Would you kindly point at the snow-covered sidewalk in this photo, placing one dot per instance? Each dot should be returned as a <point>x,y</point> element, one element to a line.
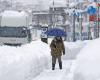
<point>56,74</point>
<point>72,50</point>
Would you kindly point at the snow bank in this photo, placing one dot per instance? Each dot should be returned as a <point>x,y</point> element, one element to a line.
<point>23,63</point>
<point>88,62</point>
<point>73,48</point>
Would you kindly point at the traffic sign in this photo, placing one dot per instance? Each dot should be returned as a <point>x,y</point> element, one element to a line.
<point>91,10</point>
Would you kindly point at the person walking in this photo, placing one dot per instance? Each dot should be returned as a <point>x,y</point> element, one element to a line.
<point>57,48</point>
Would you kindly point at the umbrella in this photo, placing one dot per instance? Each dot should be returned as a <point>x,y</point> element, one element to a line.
<point>55,32</point>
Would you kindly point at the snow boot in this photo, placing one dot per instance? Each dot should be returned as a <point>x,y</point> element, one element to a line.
<point>53,66</point>
<point>60,65</point>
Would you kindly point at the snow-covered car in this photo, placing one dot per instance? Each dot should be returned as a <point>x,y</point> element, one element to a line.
<point>87,65</point>
<point>15,27</point>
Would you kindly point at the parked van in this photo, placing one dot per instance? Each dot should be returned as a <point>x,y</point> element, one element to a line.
<point>15,28</point>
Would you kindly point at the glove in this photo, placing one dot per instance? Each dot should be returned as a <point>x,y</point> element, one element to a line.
<point>63,52</point>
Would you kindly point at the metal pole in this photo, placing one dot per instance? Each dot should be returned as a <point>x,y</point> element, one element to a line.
<point>98,21</point>
<point>74,18</point>
<point>81,25</point>
<point>89,33</point>
<point>95,26</point>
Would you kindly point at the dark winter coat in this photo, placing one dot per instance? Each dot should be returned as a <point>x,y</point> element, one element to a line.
<point>57,48</point>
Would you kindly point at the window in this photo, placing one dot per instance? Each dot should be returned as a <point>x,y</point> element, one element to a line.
<point>13,32</point>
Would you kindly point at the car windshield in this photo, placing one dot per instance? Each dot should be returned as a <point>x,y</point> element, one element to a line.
<point>13,32</point>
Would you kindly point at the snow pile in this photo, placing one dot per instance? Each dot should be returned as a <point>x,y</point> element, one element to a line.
<point>23,63</point>
<point>88,62</point>
<point>73,48</point>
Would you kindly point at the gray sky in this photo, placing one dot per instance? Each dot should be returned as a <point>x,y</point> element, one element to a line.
<point>43,1</point>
